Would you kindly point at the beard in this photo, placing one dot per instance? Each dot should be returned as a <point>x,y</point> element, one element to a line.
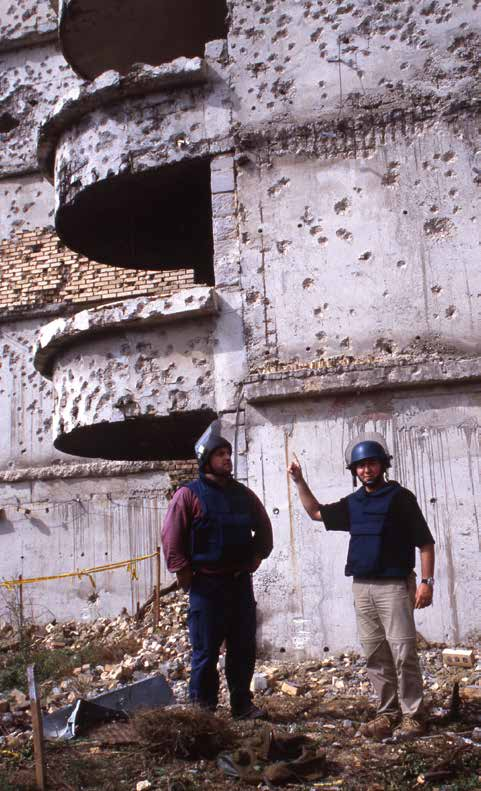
<point>373,480</point>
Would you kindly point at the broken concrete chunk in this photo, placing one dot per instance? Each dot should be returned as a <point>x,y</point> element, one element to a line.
<point>458,657</point>
<point>290,688</point>
<point>259,682</point>
<point>471,693</point>
<point>19,699</point>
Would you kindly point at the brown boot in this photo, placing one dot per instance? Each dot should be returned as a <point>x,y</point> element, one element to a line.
<point>410,727</point>
<point>379,728</point>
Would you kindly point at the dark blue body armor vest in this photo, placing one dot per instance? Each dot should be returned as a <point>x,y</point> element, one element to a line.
<point>368,514</point>
<point>223,535</point>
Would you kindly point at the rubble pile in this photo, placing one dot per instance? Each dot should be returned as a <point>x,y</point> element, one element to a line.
<point>324,699</point>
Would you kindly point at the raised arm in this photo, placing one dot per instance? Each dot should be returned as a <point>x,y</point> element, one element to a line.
<point>311,505</point>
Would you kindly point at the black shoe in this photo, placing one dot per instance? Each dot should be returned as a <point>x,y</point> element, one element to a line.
<point>250,712</point>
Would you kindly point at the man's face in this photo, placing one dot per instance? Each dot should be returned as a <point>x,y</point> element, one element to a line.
<point>369,471</point>
<point>220,462</point>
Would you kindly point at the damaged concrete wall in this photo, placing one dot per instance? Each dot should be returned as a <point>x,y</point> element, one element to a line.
<point>76,523</point>
<point>42,520</point>
<point>378,248</point>
<point>357,183</point>
<point>319,169</point>
<point>434,434</point>
<point>25,22</point>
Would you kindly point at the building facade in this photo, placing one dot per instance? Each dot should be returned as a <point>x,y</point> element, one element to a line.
<point>265,212</point>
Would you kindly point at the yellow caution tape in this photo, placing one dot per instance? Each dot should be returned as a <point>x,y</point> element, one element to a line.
<point>129,565</point>
<point>10,753</point>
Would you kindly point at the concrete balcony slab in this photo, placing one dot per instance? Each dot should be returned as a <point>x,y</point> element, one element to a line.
<point>131,161</point>
<point>133,380</point>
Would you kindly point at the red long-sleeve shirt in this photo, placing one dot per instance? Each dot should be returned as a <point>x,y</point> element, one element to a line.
<point>184,508</point>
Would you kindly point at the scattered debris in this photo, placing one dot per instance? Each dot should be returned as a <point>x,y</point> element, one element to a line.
<point>290,688</point>
<point>328,699</point>
<point>470,693</point>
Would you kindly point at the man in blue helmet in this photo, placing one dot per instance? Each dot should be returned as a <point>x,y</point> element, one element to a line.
<point>215,535</point>
<point>385,525</point>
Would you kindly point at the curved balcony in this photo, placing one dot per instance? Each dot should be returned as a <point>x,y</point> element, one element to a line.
<point>98,35</point>
<point>132,380</point>
<point>131,163</point>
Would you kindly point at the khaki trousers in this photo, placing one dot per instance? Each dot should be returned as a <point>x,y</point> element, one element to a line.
<point>385,621</point>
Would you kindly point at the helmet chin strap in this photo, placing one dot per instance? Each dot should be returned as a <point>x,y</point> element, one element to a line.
<point>383,476</point>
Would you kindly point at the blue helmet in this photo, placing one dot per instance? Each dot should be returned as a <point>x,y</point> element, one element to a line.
<point>368,449</point>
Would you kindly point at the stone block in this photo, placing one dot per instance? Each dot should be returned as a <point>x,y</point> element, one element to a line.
<point>458,657</point>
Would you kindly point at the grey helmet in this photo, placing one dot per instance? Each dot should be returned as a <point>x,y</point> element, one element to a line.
<point>210,440</point>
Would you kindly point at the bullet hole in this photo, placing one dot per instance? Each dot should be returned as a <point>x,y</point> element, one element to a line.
<point>283,245</point>
<point>326,649</point>
<point>322,240</point>
<point>343,233</point>
<point>307,282</point>
<point>259,230</point>
<point>391,176</point>
<point>282,650</point>
<point>277,187</point>
<point>436,289</point>
<point>7,123</point>
<point>401,264</point>
<point>433,500</point>
<point>384,345</point>
<point>299,225</point>
<point>439,227</point>
<point>275,511</point>
<point>345,343</point>
<point>342,206</point>
<point>308,348</point>
<point>365,256</point>
<point>405,211</point>
<point>450,312</point>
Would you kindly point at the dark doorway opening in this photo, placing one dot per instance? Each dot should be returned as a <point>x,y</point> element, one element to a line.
<point>160,220</point>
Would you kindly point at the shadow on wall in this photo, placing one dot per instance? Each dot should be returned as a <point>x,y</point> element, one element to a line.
<point>160,220</point>
<point>139,438</point>
<point>147,31</point>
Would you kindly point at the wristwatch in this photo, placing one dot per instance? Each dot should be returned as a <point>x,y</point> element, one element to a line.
<point>428,581</point>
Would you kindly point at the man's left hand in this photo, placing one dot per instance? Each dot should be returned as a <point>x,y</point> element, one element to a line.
<point>424,596</point>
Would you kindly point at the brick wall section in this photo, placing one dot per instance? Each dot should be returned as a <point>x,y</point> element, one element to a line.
<point>37,270</point>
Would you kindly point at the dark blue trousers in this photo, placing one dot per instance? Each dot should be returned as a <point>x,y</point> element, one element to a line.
<point>222,607</point>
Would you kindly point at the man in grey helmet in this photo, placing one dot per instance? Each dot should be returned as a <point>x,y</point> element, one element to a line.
<point>215,535</point>
<point>385,525</point>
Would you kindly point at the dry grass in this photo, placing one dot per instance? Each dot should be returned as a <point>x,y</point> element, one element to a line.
<point>183,732</point>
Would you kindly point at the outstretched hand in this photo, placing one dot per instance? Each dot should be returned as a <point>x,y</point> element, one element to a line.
<point>295,471</point>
